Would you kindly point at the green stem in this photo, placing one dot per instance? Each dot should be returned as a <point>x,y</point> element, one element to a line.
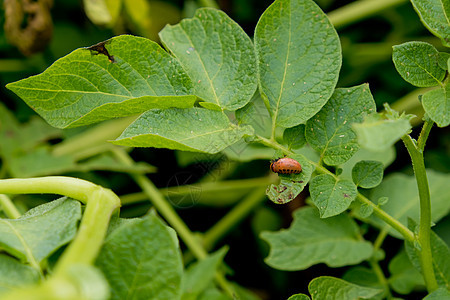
<point>92,137</point>
<point>424,135</point>
<point>403,230</point>
<point>8,207</point>
<point>242,185</point>
<point>380,239</point>
<point>100,203</point>
<point>394,223</point>
<point>425,207</point>
<point>85,247</point>
<point>381,278</point>
<point>360,10</point>
<point>234,217</point>
<point>169,213</point>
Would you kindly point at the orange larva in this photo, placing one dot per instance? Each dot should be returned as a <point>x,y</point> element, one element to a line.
<point>286,165</point>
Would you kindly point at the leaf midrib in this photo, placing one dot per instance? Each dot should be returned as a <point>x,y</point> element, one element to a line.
<point>275,115</point>
<point>28,252</point>
<point>202,64</point>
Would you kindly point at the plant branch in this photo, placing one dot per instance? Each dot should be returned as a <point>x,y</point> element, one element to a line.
<point>381,277</point>
<point>100,204</point>
<point>424,135</point>
<point>8,207</point>
<point>425,206</point>
<point>241,186</point>
<point>394,223</point>
<point>233,217</point>
<point>360,10</point>
<point>403,230</point>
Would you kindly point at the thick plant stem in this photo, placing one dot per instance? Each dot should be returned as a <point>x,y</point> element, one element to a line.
<point>360,10</point>
<point>169,213</point>
<point>89,239</point>
<point>100,203</point>
<point>425,210</point>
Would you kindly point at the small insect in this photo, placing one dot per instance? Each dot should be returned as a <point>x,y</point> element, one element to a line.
<point>101,49</point>
<point>285,165</point>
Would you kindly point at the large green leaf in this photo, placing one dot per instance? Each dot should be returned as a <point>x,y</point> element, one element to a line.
<point>330,131</point>
<point>134,75</point>
<point>299,58</point>
<point>330,195</point>
<point>331,288</point>
<point>435,14</point>
<point>150,269</point>
<point>311,240</point>
<point>436,104</point>
<point>417,63</point>
<point>404,198</point>
<point>194,129</point>
<point>13,274</point>
<point>40,231</point>
<point>217,54</point>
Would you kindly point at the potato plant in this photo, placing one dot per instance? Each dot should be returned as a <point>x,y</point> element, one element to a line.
<point>213,90</point>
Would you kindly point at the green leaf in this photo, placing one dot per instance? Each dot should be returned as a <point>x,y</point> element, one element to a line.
<point>443,60</point>
<point>363,276</point>
<point>435,15</point>
<point>367,173</point>
<point>330,133</point>
<point>331,196</point>
<point>386,157</point>
<point>14,275</point>
<point>439,294</point>
<point>404,277</point>
<point>256,115</point>
<point>295,137</point>
<point>201,274</point>
<point>291,184</point>
<point>194,129</point>
<point>299,57</point>
<point>83,88</point>
<point>330,288</point>
<point>39,162</point>
<point>18,138</point>
<point>365,210</point>
<point>436,104</point>
<point>417,63</point>
<point>404,198</point>
<point>310,240</point>
<point>299,297</point>
<point>217,54</point>
<point>377,133</point>
<point>41,230</point>
<point>151,269</point>
<point>245,152</point>
<point>440,253</point>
